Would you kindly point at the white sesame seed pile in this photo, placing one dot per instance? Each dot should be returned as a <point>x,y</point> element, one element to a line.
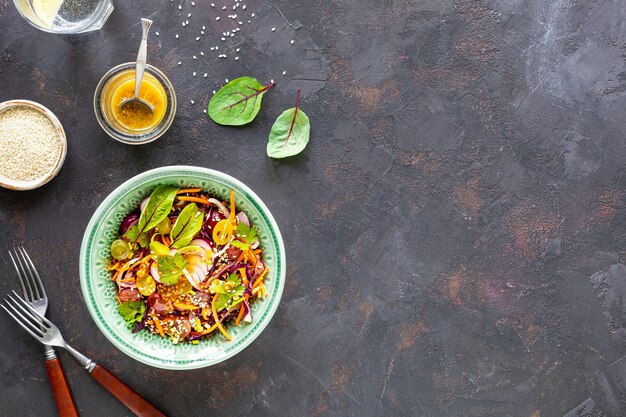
<point>30,145</point>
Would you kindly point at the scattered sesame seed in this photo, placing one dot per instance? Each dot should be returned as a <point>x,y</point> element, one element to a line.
<point>217,47</point>
<point>179,62</point>
<point>273,29</point>
<point>212,4</point>
<point>192,102</point>
<point>272,81</point>
<point>244,7</point>
<point>187,22</point>
<point>203,110</point>
<point>177,36</point>
<point>157,33</point>
<point>232,34</point>
<point>238,49</point>
<point>223,39</point>
<point>206,74</point>
<point>234,7</point>
<point>217,18</point>
<point>241,23</point>
<point>194,57</point>
<point>203,27</point>
<point>284,72</point>
<point>180,7</point>
<point>226,80</point>
<point>202,53</point>
<point>236,58</point>
<point>183,24</point>
<point>193,3</point>
<point>213,92</point>
<point>248,22</point>
<point>224,8</point>
<point>212,48</point>
<point>189,15</point>
<point>292,41</point>
<point>194,73</point>
<point>252,15</point>
<point>198,38</point>
<point>202,32</point>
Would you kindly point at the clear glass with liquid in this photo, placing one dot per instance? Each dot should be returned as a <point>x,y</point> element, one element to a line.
<point>65,16</point>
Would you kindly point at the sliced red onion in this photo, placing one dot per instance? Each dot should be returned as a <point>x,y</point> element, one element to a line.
<point>255,244</point>
<point>154,271</point>
<point>220,206</point>
<point>143,204</point>
<point>122,284</point>
<point>247,313</point>
<point>243,218</point>
<point>203,243</point>
<point>128,222</point>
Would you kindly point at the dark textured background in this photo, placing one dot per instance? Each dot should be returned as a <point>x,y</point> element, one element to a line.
<point>454,231</point>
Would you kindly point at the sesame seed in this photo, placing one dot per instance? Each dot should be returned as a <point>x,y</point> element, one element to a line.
<point>180,7</point>
<point>232,34</point>
<point>194,57</point>
<point>244,7</point>
<point>212,5</point>
<point>206,74</point>
<point>223,39</point>
<point>284,72</point>
<point>193,102</point>
<point>203,27</point>
<point>187,22</point>
<point>248,22</point>
<point>212,48</point>
<point>273,29</point>
<point>183,24</point>
<point>202,53</point>
<point>217,18</point>
<point>198,38</point>
<point>213,92</point>
<point>252,15</point>
<point>224,8</point>
<point>193,3</point>
<point>272,81</point>
<point>157,33</point>
<point>226,80</point>
<point>241,23</point>
<point>179,62</point>
<point>189,15</point>
<point>292,41</point>
<point>238,49</point>
<point>202,32</point>
<point>203,110</point>
<point>177,36</point>
<point>236,58</point>
<point>194,73</point>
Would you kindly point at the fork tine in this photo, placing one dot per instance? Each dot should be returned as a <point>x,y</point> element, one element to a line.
<point>33,313</point>
<point>29,274</point>
<point>26,278</point>
<point>40,288</point>
<point>24,322</point>
<point>19,275</point>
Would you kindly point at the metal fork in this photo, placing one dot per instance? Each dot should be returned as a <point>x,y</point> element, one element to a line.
<point>35,293</point>
<point>47,333</point>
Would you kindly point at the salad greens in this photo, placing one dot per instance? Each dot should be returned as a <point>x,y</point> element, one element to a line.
<point>132,311</point>
<point>238,102</point>
<point>171,268</point>
<point>245,236</point>
<point>290,133</point>
<point>188,223</point>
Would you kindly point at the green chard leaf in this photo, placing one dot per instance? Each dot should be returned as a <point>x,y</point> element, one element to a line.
<point>134,236</point>
<point>171,268</point>
<point>188,223</point>
<point>238,102</point>
<point>158,249</point>
<point>158,207</point>
<point>132,311</point>
<point>290,133</point>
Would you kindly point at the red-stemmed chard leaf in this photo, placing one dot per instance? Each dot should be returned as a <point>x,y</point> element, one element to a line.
<point>238,102</point>
<point>290,133</point>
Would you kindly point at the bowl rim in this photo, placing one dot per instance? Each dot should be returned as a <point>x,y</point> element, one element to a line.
<point>92,226</point>
<point>17,185</point>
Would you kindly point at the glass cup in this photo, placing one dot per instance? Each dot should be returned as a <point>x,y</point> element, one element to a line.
<point>103,102</point>
<point>65,16</point>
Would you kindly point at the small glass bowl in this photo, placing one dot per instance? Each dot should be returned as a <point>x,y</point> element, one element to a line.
<point>134,138</point>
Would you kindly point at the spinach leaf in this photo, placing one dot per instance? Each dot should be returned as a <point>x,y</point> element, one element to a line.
<point>238,102</point>
<point>188,223</point>
<point>158,207</point>
<point>290,133</point>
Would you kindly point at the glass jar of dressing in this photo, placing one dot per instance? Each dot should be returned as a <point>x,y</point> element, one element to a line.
<point>134,124</point>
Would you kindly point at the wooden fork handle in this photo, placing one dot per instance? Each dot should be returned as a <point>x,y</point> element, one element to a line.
<point>122,392</point>
<point>61,389</point>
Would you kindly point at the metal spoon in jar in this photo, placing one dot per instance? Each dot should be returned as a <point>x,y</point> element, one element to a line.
<point>140,68</point>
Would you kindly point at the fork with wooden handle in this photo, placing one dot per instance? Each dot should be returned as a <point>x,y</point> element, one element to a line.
<point>47,333</point>
<point>35,293</point>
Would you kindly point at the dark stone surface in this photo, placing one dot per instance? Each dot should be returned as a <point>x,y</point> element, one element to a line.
<point>454,229</point>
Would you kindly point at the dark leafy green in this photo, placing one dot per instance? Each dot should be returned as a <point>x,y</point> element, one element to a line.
<point>158,207</point>
<point>188,223</point>
<point>238,102</point>
<point>290,133</point>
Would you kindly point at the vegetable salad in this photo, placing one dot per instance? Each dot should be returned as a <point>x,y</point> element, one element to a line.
<point>186,265</point>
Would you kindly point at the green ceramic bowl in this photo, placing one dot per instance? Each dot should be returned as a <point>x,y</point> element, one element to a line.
<point>99,291</point>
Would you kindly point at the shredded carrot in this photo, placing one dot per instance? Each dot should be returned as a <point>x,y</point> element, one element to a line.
<point>217,321</point>
<point>118,299</point>
<point>240,316</point>
<point>244,278</point>
<point>210,329</point>
<point>252,256</point>
<point>232,206</point>
<point>257,251</point>
<point>260,278</point>
<point>204,313</point>
<point>112,267</point>
<point>157,323</point>
<point>166,241</point>
<point>189,190</point>
<point>239,258</point>
<point>194,200</point>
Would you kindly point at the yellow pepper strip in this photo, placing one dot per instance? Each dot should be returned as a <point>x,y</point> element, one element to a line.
<point>189,190</point>
<point>205,310</point>
<point>185,306</point>
<point>209,330</point>
<point>260,278</point>
<point>244,278</point>
<point>217,321</point>
<point>157,323</point>
<point>194,200</point>
<point>265,293</point>
<point>232,207</point>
